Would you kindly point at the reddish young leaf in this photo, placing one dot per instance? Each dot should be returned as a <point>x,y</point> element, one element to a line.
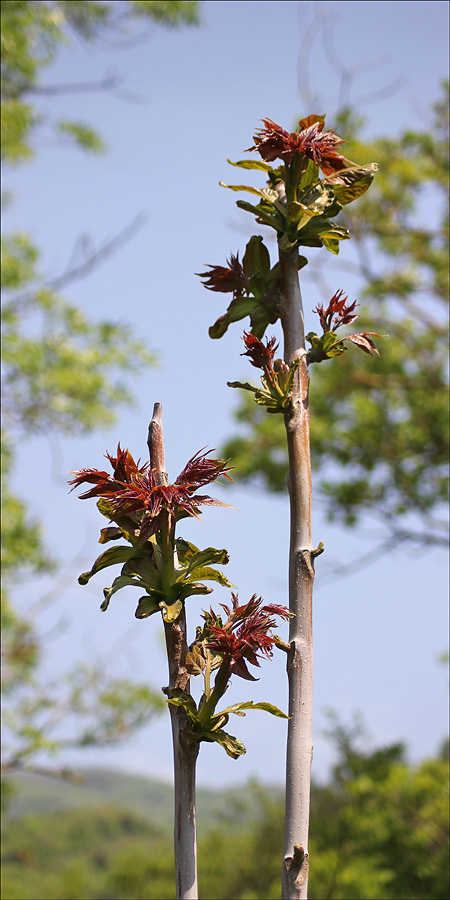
<point>139,492</point>
<point>364,342</point>
<point>246,635</point>
<point>273,142</point>
<point>226,280</point>
<point>337,307</point>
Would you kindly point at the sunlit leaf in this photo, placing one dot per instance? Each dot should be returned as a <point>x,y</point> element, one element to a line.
<point>238,708</point>
<point>110,557</point>
<point>171,613</point>
<point>206,573</point>
<point>251,164</point>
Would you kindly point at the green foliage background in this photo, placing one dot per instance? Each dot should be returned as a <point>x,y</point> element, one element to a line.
<point>62,372</point>
<point>379,830</point>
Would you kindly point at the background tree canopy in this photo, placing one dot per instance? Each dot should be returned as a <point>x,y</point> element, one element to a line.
<point>62,372</point>
<point>379,832</point>
<point>379,431</point>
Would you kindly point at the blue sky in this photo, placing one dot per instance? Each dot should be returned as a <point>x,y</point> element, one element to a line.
<point>196,97</point>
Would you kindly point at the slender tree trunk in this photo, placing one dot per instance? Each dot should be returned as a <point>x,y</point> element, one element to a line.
<point>184,761</point>
<point>184,752</point>
<point>301,578</point>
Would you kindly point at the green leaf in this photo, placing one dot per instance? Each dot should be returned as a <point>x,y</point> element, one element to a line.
<point>231,745</point>
<point>171,613</point>
<point>109,558</point>
<point>148,605</point>
<point>126,523</point>
<point>185,700</point>
<point>206,573</point>
<point>251,164</point>
<point>238,309</point>
<point>244,385</point>
<point>269,216</point>
<point>351,183</point>
<point>328,233</point>
<point>331,244</point>
<point>312,203</point>
<point>256,260</point>
<point>245,187</point>
<point>118,583</point>
<point>144,569</point>
<point>328,339</point>
<point>185,550</point>
<point>207,556</point>
<point>190,588</point>
<point>110,533</point>
<point>238,708</point>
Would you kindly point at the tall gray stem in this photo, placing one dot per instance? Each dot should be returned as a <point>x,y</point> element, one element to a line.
<point>184,752</point>
<point>301,578</point>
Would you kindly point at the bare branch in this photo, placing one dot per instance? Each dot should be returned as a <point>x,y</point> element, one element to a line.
<point>97,258</point>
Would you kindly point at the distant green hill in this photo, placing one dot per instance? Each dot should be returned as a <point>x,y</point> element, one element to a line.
<point>149,799</point>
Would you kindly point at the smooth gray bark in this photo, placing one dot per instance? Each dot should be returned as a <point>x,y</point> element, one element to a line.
<point>301,578</point>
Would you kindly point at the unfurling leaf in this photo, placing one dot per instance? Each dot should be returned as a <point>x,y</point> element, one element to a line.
<point>364,342</point>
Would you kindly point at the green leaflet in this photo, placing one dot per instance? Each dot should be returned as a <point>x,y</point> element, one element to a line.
<point>327,232</point>
<point>324,347</point>
<point>242,384</point>
<point>207,556</point>
<point>127,524</point>
<point>268,215</point>
<point>182,698</point>
<point>264,192</point>
<point>232,746</point>
<point>237,709</point>
<point>238,309</point>
<point>256,260</point>
<point>351,183</point>
<point>148,605</point>
<point>262,310</point>
<point>185,550</point>
<point>195,660</point>
<point>171,613</point>
<point>110,533</point>
<point>110,557</point>
<point>118,583</point>
<point>251,164</point>
<point>190,588</point>
<point>145,570</point>
<point>207,573</point>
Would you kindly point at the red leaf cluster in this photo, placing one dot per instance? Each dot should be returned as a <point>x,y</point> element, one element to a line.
<point>260,356</point>
<point>273,142</point>
<point>227,280</point>
<point>133,489</point>
<point>343,314</point>
<point>246,635</point>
